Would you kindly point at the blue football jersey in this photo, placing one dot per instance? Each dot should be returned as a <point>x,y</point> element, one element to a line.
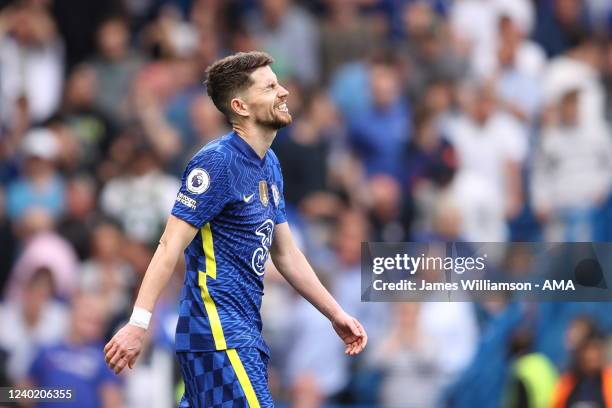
<point>235,199</point>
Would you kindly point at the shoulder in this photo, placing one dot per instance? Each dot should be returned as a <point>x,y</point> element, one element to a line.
<point>216,155</point>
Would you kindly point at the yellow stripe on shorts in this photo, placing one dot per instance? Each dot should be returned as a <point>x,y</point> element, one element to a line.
<point>243,378</point>
<point>209,303</point>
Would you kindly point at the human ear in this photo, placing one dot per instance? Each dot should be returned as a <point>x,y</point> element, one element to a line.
<point>239,107</point>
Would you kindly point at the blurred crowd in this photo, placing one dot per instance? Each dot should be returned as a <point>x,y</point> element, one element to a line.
<point>438,120</point>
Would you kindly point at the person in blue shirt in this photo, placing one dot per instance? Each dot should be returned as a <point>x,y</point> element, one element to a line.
<point>229,216</point>
<point>76,364</point>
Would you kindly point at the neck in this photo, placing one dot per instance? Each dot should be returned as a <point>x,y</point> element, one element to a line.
<point>259,138</point>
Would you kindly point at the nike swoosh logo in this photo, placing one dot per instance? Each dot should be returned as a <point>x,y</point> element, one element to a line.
<point>248,198</point>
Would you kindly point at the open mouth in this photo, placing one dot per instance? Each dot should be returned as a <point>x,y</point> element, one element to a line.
<point>282,107</point>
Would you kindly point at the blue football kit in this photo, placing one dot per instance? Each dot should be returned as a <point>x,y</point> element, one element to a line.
<point>235,199</point>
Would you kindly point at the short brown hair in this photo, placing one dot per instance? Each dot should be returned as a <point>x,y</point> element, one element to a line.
<point>231,74</point>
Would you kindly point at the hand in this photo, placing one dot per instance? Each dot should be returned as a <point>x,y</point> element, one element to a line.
<point>124,348</point>
<point>351,332</point>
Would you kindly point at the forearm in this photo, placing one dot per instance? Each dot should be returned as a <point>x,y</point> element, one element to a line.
<point>157,276</point>
<point>297,271</point>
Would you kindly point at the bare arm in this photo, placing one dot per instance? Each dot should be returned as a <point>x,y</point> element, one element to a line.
<point>294,267</point>
<point>177,235</point>
<point>126,345</point>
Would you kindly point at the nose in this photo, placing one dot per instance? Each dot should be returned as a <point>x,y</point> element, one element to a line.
<point>283,92</point>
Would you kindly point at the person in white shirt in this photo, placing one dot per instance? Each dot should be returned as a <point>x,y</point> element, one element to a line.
<point>492,146</point>
<point>572,171</point>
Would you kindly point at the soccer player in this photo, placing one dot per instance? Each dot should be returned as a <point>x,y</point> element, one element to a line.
<point>228,217</point>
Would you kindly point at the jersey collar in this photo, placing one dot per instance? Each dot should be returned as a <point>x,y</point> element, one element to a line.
<point>241,144</point>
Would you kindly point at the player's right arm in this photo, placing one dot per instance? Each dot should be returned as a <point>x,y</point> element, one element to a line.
<point>127,343</point>
<point>205,189</point>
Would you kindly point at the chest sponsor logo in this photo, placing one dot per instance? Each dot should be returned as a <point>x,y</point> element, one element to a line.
<point>197,181</point>
<point>260,255</point>
<point>263,193</point>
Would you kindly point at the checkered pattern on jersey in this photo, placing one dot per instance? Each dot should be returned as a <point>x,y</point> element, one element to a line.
<point>211,380</point>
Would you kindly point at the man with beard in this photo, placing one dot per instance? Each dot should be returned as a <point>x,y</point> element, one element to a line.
<point>228,217</point>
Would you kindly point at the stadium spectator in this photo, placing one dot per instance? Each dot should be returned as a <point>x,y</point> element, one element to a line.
<point>40,186</point>
<point>427,51</point>
<point>280,25</point>
<point>315,368</point>
<point>35,320</point>
<point>77,362</point>
<point>169,36</point>
<point>388,209</point>
<point>577,69</point>
<point>475,24</point>
<point>430,158</point>
<point>440,219</point>
<point>408,360</point>
<point>31,61</point>
<point>76,224</point>
<point>607,80</point>
<point>516,69</point>
<point>306,158</point>
<point>558,24</point>
<point>491,144</point>
<point>8,245</point>
<point>142,198</point>
<point>115,66</point>
<point>512,27</point>
<point>532,375</point>
<point>572,172</point>
<point>42,247</point>
<point>589,380</point>
<point>105,272</point>
<point>380,133</point>
<point>351,230</point>
<point>346,36</point>
<point>91,128</point>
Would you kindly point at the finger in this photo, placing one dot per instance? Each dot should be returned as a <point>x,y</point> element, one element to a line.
<point>117,357</point>
<point>363,340</point>
<point>360,347</point>
<point>120,365</point>
<point>351,348</point>
<point>111,353</point>
<point>132,360</point>
<point>109,345</point>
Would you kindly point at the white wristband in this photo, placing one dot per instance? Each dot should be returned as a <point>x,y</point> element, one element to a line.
<point>140,318</point>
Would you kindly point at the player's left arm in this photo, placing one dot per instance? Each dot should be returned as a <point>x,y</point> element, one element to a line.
<point>292,264</point>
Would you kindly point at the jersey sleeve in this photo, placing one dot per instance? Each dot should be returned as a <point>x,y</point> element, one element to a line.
<point>205,189</point>
<point>281,215</point>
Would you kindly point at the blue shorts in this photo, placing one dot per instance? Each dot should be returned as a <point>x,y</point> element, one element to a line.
<point>234,378</point>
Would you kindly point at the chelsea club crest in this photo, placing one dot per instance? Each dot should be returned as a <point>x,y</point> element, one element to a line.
<point>263,193</point>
